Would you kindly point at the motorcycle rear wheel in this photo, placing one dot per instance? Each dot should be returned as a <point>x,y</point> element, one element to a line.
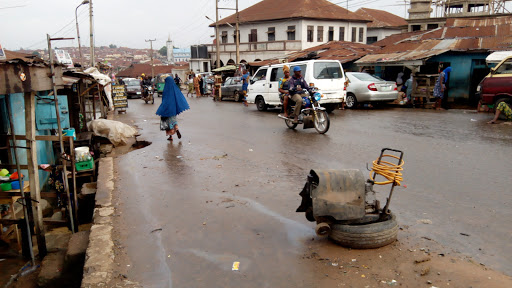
<point>322,122</point>
<point>290,124</point>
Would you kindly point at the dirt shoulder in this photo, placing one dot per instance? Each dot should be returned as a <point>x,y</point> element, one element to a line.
<point>403,263</point>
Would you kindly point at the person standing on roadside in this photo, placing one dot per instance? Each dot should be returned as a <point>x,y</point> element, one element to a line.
<point>245,86</point>
<point>190,84</point>
<point>196,86</point>
<point>440,90</point>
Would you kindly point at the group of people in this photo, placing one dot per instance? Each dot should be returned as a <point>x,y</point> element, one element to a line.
<point>196,84</point>
<point>291,88</point>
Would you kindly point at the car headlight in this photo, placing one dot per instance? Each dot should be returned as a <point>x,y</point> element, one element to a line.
<point>478,88</point>
<point>317,96</point>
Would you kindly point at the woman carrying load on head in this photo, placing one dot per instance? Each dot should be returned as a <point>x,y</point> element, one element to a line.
<point>173,103</point>
<point>283,89</point>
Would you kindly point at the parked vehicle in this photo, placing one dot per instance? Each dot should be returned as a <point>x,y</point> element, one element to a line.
<point>497,86</point>
<point>232,88</point>
<point>133,89</point>
<point>363,87</point>
<point>160,83</point>
<point>327,75</point>
<point>312,114</point>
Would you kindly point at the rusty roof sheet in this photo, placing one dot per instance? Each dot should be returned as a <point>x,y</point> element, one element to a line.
<point>380,18</point>
<point>136,70</point>
<point>268,10</point>
<point>334,50</point>
<point>488,34</point>
<point>17,57</point>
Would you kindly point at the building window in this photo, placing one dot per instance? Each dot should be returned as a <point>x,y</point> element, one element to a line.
<point>291,32</point>
<point>331,33</point>
<point>432,26</point>
<point>342,33</point>
<point>371,40</point>
<point>224,36</point>
<point>354,32</point>
<point>320,34</point>
<point>310,33</point>
<point>253,37</point>
<point>271,34</point>
<point>361,34</point>
<point>415,27</point>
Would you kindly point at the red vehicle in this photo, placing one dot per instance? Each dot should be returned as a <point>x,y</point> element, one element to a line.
<point>497,86</point>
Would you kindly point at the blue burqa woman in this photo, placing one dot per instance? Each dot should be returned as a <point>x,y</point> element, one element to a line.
<point>173,103</point>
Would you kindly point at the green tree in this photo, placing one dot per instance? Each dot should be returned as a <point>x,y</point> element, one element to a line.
<point>112,46</point>
<point>163,51</point>
<point>36,53</point>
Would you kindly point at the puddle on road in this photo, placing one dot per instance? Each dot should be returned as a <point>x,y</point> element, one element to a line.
<point>141,144</point>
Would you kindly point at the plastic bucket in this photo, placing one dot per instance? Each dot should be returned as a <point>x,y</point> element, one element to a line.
<point>6,186</point>
<point>69,132</point>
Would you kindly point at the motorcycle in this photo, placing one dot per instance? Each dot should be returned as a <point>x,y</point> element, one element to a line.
<point>147,94</point>
<point>312,115</point>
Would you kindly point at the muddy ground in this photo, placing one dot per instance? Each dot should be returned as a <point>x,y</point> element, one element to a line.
<point>228,192</point>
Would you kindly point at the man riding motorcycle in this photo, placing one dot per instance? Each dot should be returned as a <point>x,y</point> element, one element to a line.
<point>146,82</point>
<point>297,84</point>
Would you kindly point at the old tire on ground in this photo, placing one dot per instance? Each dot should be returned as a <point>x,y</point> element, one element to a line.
<point>322,229</point>
<point>365,236</point>
<point>260,104</point>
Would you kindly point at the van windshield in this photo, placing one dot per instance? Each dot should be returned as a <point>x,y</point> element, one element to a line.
<point>505,67</point>
<point>327,70</point>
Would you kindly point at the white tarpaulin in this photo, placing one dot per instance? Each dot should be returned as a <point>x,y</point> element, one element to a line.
<point>497,57</point>
<point>117,132</point>
<point>103,80</point>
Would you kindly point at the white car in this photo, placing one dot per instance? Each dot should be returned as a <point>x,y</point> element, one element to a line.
<point>326,75</point>
<point>363,88</point>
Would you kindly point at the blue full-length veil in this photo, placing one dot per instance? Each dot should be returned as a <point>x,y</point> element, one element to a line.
<point>173,101</point>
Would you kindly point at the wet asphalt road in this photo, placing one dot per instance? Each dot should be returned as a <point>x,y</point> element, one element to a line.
<point>215,209</point>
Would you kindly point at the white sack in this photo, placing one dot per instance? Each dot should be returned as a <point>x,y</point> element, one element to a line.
<point>117,132</point>
<point>103,80</point>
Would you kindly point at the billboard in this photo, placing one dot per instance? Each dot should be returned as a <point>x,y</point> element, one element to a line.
<point>2,53</point>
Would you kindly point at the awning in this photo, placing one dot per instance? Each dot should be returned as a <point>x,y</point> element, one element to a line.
<point>225,68</point>
<point>498,56</point>
<point>408,58</point>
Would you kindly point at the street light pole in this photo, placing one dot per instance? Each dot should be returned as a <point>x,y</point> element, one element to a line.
<point>237,33</point>
<point>78,32</point>
<point>217,33</point>
<point>92,33</point>
<point>152,67</point>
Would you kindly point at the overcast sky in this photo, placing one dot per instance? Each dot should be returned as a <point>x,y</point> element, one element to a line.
<point>128,22</point>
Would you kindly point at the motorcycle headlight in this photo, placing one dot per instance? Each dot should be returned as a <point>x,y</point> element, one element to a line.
<point>317,96</point>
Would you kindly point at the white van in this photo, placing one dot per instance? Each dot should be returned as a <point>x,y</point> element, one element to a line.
<point>326,75</point>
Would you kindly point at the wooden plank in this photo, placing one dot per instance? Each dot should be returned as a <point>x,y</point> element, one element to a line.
<point>10,221</point>
<point>41,137</point>
<point>33,172</point>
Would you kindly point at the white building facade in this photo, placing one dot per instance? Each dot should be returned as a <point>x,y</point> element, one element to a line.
<point>265,38</point>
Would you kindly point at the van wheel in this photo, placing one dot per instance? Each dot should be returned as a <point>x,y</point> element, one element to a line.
<point>509,103</point>
<point>260,104</point>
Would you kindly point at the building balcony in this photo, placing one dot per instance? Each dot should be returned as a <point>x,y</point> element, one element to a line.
<point>292,45</point>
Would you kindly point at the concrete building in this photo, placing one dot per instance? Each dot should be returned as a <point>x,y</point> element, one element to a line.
<point>271,28</point>
<point>181,55</point>
<point>383,24</point>
<point>170,50</point>
<point>199,60</point>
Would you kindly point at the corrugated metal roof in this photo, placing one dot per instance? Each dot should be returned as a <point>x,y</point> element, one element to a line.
<point>487,34</point>
<point>267,10</point>
<point>334,50</point>
<point>16,57</point>
<point>381,18</point>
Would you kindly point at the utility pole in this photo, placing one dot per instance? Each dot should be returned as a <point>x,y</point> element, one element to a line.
<point>78,32</point>
<point>237,33</point>
<point>91,34</point>
<point>217,44</point>
<point>152,68</point>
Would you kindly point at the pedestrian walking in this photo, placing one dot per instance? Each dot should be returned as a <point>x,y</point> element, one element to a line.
<point>190,84</point>
<point>196,86</point>
<point>245,86</point>
<point>173,103</point>
<point>177,80</point>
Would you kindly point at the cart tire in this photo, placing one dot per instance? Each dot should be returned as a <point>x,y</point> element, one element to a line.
<point>365,236</point>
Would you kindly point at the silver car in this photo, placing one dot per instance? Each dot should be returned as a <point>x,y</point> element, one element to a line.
<point>232,88</point>
<point>363,87</point>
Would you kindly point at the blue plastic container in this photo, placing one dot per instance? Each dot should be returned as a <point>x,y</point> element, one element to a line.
<point>69,132</point>
<point>16,184</point>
